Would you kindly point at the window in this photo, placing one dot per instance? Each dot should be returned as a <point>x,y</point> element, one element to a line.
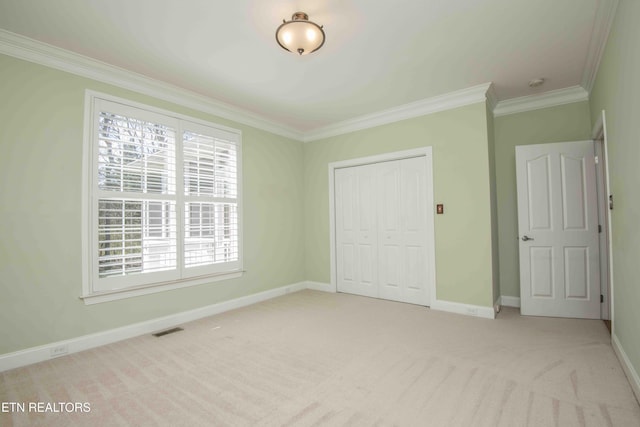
<point>163,200</point>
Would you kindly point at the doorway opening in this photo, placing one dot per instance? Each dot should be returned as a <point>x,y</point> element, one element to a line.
<point>605,205</point>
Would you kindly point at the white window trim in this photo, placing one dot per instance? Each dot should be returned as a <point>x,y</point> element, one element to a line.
<point>89,294</point>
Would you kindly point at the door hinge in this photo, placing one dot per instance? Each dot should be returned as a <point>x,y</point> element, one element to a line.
<point>599,228</point>
<point>597,160</point>
<point>601,298</point>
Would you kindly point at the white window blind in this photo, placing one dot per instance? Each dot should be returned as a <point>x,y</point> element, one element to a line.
<point>136,161</point>
<point>164,200</point>
<point>211,189</point>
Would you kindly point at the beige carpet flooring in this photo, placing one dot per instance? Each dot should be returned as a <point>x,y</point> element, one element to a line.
<point>316,359</point>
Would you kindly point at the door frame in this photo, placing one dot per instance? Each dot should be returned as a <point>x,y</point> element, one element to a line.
<point>425,152</point>
<point>599,134</point>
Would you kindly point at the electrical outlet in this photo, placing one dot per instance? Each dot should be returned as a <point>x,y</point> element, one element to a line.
<point>59,350</point>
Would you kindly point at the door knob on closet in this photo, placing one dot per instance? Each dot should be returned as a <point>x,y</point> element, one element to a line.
<point>526,238</point>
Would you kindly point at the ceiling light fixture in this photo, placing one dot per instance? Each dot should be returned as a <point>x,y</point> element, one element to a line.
<point>300,35</point>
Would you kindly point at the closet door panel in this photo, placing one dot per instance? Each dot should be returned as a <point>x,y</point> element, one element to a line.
<point>414,231</point>
<point>390,230</point>
<point>366,237</point>
<point>356,237</point>
<point>346,226</point>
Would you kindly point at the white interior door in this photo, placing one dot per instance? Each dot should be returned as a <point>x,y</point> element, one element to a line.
<point>558,230</point>
<point>356,231</point>
<point>390,235</point>
<point>381,230</point>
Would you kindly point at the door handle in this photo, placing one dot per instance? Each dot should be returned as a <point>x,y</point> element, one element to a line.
<point>526,238</point>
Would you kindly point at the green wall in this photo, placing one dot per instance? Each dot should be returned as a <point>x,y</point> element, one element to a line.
<point>461,182</point>
<point>286,199</point>
<point>617,91</point>
<point>40,204</point>
<point>286,213</point>
<point>570,122</point>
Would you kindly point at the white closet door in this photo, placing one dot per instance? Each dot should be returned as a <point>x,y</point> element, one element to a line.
<point>356,236</point>
<point>390,236</point>
<point>381,230</point>
<point>415,284</point>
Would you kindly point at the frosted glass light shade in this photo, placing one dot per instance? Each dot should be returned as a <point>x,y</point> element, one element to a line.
<point>300,35</point>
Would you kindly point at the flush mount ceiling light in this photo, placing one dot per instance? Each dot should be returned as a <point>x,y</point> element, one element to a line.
<point>300,35</point>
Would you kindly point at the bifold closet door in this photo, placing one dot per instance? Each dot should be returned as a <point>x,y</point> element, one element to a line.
<point>381,230</point>
<point>356,230</point>
<point>402,231</point>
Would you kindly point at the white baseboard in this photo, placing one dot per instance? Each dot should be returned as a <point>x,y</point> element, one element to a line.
<point>86,342</point>
<point>508,301</point>
<point>441,305</point>
<point>466,309</point>
<point>319,286</point>
<point>629,370</point>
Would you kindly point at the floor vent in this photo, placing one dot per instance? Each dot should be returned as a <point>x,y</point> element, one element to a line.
<point>167,332</point>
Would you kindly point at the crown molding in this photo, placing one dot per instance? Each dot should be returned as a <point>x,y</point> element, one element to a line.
<point>423,107</point>
<point>602,26</point>
<point>544,100</point>
<point>27,49</point>
<point>492,97</point>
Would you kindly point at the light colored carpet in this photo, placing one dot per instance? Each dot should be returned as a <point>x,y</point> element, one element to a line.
<point>314,359</point>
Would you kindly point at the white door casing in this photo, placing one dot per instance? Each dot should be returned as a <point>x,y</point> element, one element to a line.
<point>603,215</point>
<point>604,194</point>
<point>558,230</point>
<point>382,233</point>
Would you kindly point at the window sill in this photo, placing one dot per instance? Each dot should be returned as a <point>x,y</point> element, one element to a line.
<point>116,294</point>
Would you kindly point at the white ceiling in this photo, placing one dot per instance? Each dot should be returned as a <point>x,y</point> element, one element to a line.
<point>377,55</point>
